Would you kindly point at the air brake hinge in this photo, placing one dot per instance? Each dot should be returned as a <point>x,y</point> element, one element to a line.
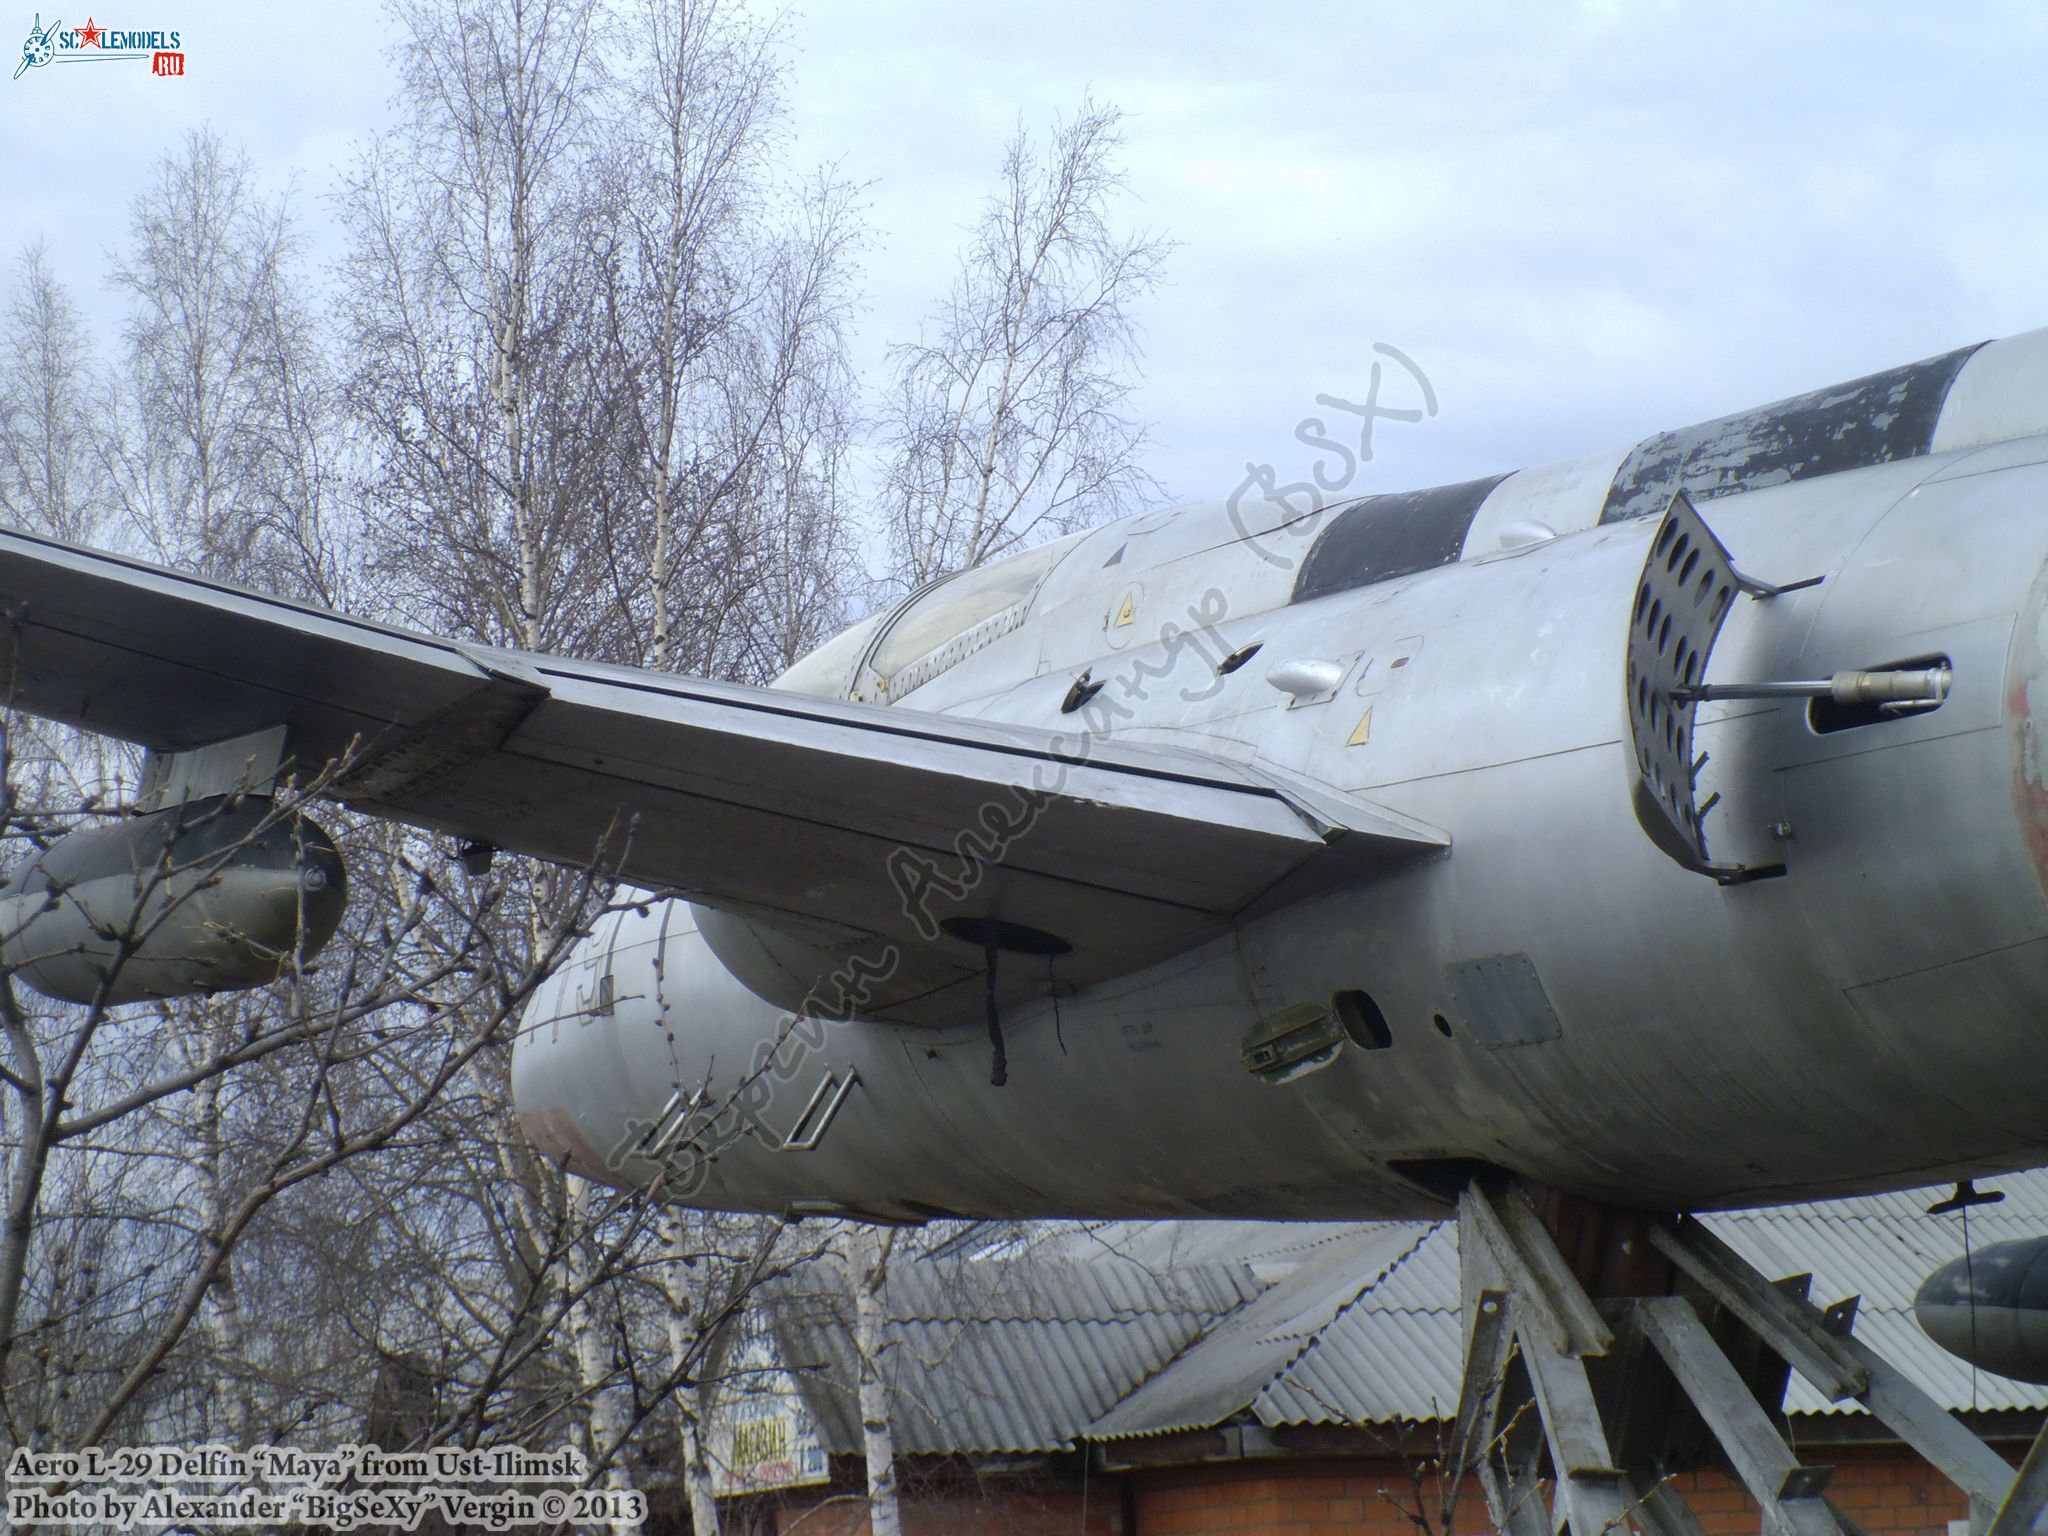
<point>1760,590</point>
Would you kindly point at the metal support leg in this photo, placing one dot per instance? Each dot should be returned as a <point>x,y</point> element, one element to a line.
<point>1589,1485</point>
<point>1548,1313</point>
<point>1661,1509</point>
<point>1516,1466</point>
<point>1548,1296</point>
<point>1490,1439</point>
<point>2023,1505</point>
<point>1766,1311</point>
<point>1788,1493</point>
<point>1480,1442</point>
<point>1489,1346</point>
<point>1531,1327</point>
<point>1837,1364</point>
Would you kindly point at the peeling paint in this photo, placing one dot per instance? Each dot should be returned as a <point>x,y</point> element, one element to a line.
<point>554,1130</point>
<point>1872,420</point>
<point>2026,712</point>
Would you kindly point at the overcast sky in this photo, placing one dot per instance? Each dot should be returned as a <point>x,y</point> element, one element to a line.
<point>1585,222</point>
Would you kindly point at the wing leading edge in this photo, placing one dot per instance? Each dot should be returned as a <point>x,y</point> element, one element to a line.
<point>806,816</point>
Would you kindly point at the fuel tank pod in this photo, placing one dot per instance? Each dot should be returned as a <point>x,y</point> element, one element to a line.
<point>1991,1308</point>
<point>204,897</point>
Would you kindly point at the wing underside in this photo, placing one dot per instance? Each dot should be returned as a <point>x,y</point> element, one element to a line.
<point>876,824</point>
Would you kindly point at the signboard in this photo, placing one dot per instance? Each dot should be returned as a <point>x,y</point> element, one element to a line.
<point>761,1444</point>
<point>761,1434</point>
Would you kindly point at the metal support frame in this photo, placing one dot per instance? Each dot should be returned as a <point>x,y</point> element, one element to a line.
<point>1547,1320</point>
<point>1819,1346</point>
<point>1788,1493</point>
<point>2022,1508</point>
<point>1531,1329</point>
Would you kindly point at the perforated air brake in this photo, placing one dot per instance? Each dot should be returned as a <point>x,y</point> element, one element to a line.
<point>1687,587</point>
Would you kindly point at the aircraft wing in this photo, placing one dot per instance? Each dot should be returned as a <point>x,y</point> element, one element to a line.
<point>863,823</point>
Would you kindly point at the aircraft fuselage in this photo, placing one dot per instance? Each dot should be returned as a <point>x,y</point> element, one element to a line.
<point>1553,996</point>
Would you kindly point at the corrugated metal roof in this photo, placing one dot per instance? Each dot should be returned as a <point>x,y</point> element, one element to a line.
<point>1271,1248</point>
<point>1124,1329</point>
<point>1239,1359</point>
<point>1053,1287</point>
<point>1881,1248</point>
<point>1015,1356</point>
<point>1395,1353</point>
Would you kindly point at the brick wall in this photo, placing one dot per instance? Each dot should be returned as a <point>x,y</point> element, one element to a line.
<point>1890,1493</point>
<point>1286,1499</point>
<point>1887,1492</point>
<point>1001,1508</point>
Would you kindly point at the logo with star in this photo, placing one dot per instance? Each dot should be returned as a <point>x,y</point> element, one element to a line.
<point>89,35</point>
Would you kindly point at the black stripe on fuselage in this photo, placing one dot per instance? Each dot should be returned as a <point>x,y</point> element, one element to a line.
<point>1382,537</point>
<point>1872,420</point>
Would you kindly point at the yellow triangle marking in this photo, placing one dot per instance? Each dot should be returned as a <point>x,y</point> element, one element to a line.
<point>1128,612</point>
<point>1363,732</point>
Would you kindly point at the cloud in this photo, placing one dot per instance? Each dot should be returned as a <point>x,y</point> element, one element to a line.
<point>1587,223</point>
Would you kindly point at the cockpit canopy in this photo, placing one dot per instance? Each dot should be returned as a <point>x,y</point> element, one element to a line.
<point>895,652</point>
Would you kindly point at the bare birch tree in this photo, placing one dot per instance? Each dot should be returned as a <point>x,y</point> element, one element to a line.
<point>687,1324</point>
<point>220,454</point>
<point>726,291</point>
<point>686,160</point>
<point>868,1250</point>
<point>469,310</point>
<point>220,464</point>
<point>798,553</point>
<point>597,366</point>
<point>586,391</point>
<point>53,418</point>
<point>50,472</point>
<point>1009,421</point>
<point>474,318</point>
